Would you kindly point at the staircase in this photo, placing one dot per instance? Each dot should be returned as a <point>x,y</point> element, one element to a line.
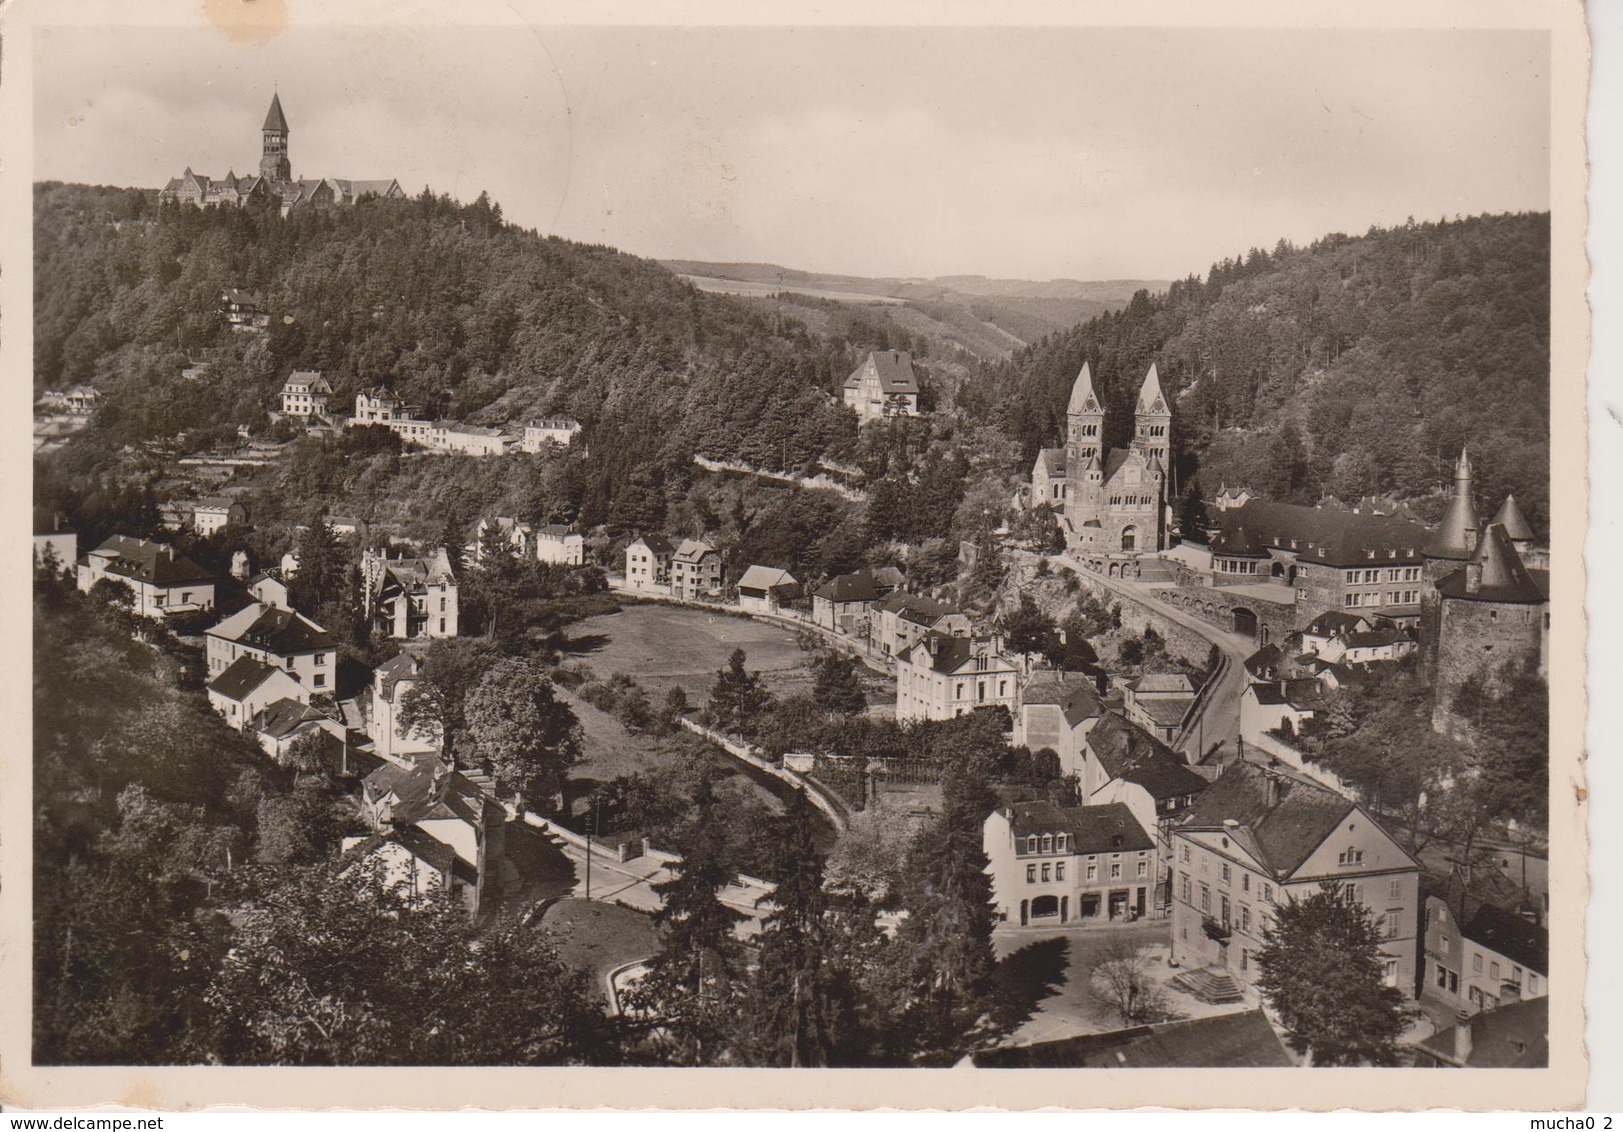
<point>1210,984</point>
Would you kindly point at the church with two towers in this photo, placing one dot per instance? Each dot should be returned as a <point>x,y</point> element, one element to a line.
<point>1113,502</point>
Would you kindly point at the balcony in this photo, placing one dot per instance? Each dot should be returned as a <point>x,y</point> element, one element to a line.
<point>1215,930</point>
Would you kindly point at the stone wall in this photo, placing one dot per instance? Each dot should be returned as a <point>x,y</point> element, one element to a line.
<point>1480,636</point>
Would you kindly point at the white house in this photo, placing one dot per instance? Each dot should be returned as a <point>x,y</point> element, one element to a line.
<point>1264,706</point>
<point>1061,864</point>
<point>161,581</point>
<point>1260,836</point>
<point>883,385</point>
<point>305,394</point>
<point>1056,713</point>
<point>1159,702</point>
<point>378,406</point>
<point>648,563</point>
<point>410,597</point>
<point>280,637</point>
<point>941,677</point>
<point>760,587</point>
<point>695,570</point>
<point>391,739</point>
<point>214,514</point>
<point>248,686</point>
<point>466,439</point>
<point>549,432</point>
<point>560,545</point>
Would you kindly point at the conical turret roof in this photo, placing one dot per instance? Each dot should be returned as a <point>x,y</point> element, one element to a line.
<point>274,120</point>
<point>1502,577</point>
<point>1150,397</point>
<point>1456,536</point>
<point>1083,398</point>
<point>1510,517</point>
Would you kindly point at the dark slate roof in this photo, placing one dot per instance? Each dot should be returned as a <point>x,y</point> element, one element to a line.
<point>1303,693</point>
<point>1052,461</point>
<point>1510,517</point>
<point>1282,836</point>
<point>917,608</point>
<point>1108,828</point>
<point>1457,533</point>
<point>274,118</point>
<point>1076,698</point>
<point>659,544</point>
<point>950,652</point>
<point>1513,1036</point>
<point>1268,656</point>
<point>1333,623</point>
<point>1129,752</point>
<point>286,632</point>
<point>895,371</point>
<point>1517,939</point>
<point>152,562</point>
<point>1224,1041</point>
<point>241,677</point>
<point>1504,578</point>
<point>401,666</point>
<point>1344,537</point>
<point>859,586</point>
<point>284,717</point>
<point>1166,713</point>
<point>1114,459</point>
<point>1375,638</point>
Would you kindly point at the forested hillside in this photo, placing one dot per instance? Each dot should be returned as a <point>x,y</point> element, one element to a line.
<point>1351,366</point>
<point>444,303</point>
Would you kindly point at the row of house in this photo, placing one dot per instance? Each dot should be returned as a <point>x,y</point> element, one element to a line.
<point>689,570</point>
<point>554,543</point>
<point>378,406</point>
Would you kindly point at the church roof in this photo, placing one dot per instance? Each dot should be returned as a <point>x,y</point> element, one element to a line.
<point>1503,578</point>
<point>1083,398</point>
<point>274,120</point>
<point>1052,462</point>
<point>1150,397</point>
<point>1510,517</point>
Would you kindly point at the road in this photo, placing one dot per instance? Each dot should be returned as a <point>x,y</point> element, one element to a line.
<point>1219,715</point>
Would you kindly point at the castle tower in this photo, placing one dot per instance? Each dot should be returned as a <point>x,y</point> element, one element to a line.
<point>273,161</point>
<point>1084,458</point>
<point>1152,420</point>
<point>1517,528</point>
<point>1454,544</point>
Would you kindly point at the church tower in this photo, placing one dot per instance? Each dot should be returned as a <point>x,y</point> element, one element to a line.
<point>1152,420</point>
<point>273,161</point>
<point>1084,458</point>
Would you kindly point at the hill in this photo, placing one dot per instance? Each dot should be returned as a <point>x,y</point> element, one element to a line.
<point>445,304</point>
<point>987,319</point>
<point>1355,365</point>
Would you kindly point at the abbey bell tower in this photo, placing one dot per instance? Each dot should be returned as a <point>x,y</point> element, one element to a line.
<point>273,162</point>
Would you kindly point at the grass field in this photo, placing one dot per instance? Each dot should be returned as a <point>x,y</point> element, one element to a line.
<point>659,646</point>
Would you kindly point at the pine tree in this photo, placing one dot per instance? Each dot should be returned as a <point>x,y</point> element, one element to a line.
<point>1320,966</point>
<point>837,687</point>
<point>737,699</point>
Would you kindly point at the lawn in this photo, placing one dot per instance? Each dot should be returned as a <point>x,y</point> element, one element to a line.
<point>598,937</point>
<point>661,645</point>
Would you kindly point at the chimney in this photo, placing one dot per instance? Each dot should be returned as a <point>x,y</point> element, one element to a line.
<point>1462,1037</point>
<point>1473,577</point>
<point>1273,786</point>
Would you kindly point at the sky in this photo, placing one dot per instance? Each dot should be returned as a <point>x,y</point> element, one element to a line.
<point>1030,153</point>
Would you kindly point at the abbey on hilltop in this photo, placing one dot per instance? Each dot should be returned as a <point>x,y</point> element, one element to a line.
<point>274,184</point>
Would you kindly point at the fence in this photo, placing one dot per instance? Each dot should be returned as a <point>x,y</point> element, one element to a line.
<point>836,810</point>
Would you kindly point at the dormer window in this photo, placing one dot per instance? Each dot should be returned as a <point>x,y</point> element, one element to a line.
<point>1048,843</point>
<point>1031,844</point>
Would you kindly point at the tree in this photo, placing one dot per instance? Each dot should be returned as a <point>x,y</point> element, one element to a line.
<point>947,935</point>
<point>434,707</point>
<point>737,699</point>
<point>322,567</point>
<point>1320,966</point>
<point>692,983</point>
<point>837,687</point>
<point>1122,982</point>
<point>521,733</point>
<point>1027,629</point>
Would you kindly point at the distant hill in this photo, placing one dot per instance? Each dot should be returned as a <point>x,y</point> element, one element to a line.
<point>1357,364</point>
<point>986,318</point>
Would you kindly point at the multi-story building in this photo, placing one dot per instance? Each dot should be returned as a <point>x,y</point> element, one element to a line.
<point>1159,702</point>
<point>280,637</point>
<point>648,563</point>
<point>560,545</point>
<point>695,570</point>
<point>884,385</point>
<point>902,618</point>
<point>305,394</point>
<point>466,439</point>
<point>942,676</point>
<point>1479,954</point>
<point>1370,565</point>
<point>1056,713</point>
<point>248,686</point>
<point>162,581</point>
<point>410,597</point>
<point>378,406</point>
<point>214,514</point>
<point>391,738</point>
<point>1125,763</point>
<point>1260,836</point>
<point>549,432</point>
<point>844,604</point>
<point>1060,864</point>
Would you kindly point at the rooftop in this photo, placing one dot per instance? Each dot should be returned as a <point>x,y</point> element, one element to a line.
<point>1281,834</point>
<point>1110,828</point>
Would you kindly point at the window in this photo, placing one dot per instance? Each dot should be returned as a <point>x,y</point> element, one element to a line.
<point>442,624</point>
<point>1031,874</point>
<point>1442,976</point>
<point>1516,975</point>
<point>1493,971</point>
<point>1245,918</point>
<point>1476,963</point>
<point>1223,910</point>
<point>1059,842</point>
<point>1393,920</point>
<point>1532,983</point>
<point>442,605</point>
<point>1115,870</point>
<point>1354,894</point>
<point>1183,887</point>
<point>1031,844</point>
<point>321,660</point>
<point>1443,941</point>
<point>1268,893</point>
<point>1185,856</point>
<point>1093,874</point>
<point>1048,843</point>
<point>1205,898</point>
<point>1390,976</point>
<point>958,691</point>
<point>1059,870</point>
<point>321,680</point>
<point>1245,882</point>
<point>1143,868</point>
<point>1245,959</point>
<point>1350,857</point>
<point>1002,688</point>
<point>1227,873</point>
<point>1394,889</point>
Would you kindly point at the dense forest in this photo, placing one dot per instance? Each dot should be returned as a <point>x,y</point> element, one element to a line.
<point>1354,365</point>
<point>448,306</point>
